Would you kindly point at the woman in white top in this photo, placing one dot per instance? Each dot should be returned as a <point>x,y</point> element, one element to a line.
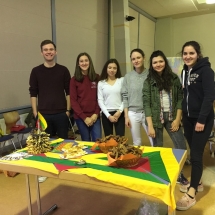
<point>110,99</point>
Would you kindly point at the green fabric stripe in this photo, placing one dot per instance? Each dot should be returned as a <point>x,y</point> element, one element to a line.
<point>121,171</point>
<point>157,166</point>
<point>156,163</point>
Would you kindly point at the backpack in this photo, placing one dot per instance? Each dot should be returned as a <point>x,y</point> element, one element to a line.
<point>30,119</point>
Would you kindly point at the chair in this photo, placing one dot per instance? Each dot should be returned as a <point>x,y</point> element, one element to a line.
<point>11,118</point>
<point>71,132</point>
<point>5,138</point>
<point>22,132</point>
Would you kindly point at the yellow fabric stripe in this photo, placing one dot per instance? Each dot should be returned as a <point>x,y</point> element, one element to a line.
<point>47,167</point>
<point>57,140</point>
<point>160,191</point>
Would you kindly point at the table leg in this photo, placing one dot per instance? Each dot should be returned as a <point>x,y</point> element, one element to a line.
<point>28,194</point>
<point>171,213</point>
<point>38,196</point>
<point>39,202</point>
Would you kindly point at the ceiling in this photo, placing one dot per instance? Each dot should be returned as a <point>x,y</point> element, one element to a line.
<point>174,8</point>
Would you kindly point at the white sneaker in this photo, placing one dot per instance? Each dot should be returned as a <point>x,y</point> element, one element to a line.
<point>41,179</point>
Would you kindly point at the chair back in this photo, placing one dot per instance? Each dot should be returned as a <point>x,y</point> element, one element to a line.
<point>1,132</point>
<point>10,118</point>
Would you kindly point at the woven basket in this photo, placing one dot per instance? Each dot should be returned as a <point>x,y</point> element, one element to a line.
<point>128,162</point>
<point>125,161</point>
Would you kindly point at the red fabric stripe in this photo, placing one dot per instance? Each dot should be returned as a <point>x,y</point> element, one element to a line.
<point>143,166</point>
<point>61,167</point>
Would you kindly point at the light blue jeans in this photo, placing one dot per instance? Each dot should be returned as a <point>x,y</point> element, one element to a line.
<point>177,137</point>
<point>89,133</point>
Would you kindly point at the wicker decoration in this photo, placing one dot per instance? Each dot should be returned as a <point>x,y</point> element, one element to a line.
<point>107,143</point>
<point>38,142</point>
<point>125,163</point>
<point>124,156</point>
<point>106,146</point>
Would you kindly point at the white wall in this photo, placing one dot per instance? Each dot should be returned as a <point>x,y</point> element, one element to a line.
<point>146,37</point>
<point>142,34</point>
<point>82,27</point>
<point>171,34</point>
<point>23,25</point>
<point>200,28</point>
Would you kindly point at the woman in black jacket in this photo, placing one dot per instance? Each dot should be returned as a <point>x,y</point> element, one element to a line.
<point>198,115</point>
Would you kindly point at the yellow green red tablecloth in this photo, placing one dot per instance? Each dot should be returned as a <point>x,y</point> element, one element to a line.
<point>155,176</point>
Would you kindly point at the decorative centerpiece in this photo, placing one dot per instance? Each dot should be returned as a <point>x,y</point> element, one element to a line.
<point>108,142</point>
<point>38,142</point>
<point>124,155</point>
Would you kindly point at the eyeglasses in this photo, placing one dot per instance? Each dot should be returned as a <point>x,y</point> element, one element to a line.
<point>51,50</point>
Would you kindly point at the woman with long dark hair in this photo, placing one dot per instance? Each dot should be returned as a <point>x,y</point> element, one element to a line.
<point>110,99</point>
<point>198,115</point>
<point>83,96</point>
<point>162,97</point>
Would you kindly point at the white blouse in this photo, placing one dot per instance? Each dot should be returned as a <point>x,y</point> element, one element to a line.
<point>109,96</point>
<point>166,101</point>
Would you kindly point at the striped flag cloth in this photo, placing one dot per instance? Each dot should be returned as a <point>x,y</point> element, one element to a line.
<point>41,123</point>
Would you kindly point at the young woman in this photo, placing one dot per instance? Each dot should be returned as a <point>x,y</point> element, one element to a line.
<point>198,115</point>
<point>83,96</point>
<point>110,99</point>
<point>162,97</point>
<point>132,96</point>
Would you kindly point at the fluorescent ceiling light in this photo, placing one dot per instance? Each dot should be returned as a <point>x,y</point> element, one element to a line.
<point>210,1</point>
<point>201,1</point>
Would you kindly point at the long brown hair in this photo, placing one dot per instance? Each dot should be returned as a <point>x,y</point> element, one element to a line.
<point>91,71</point>
<point>164,82</point>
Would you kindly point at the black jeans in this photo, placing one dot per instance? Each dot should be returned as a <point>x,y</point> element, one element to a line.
<point>197,141</point>
<point>119,125</point>
<point>57,124</point>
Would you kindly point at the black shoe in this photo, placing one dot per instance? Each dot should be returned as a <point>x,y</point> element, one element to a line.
<point>182,180</point>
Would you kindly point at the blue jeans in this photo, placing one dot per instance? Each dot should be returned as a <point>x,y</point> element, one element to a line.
<point>89,133</point>
<point>177,137</point>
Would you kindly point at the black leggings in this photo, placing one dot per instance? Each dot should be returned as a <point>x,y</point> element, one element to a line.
<point>197,141</point>
<point>108,125</point>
